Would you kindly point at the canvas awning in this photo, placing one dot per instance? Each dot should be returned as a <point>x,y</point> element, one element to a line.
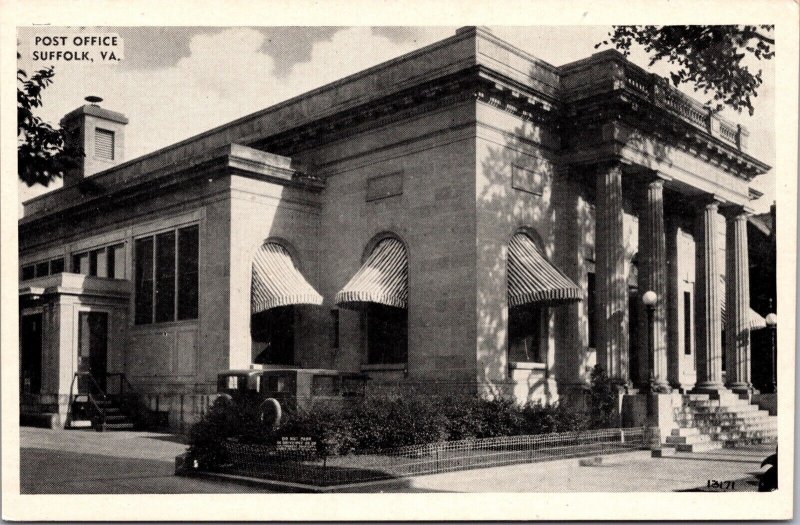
<point>756,321</point>
<point>277,281</point>
<point>533,279</point>
<point>382,279</point>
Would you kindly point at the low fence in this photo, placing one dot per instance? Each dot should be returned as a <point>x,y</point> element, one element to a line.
<point>305,466</point>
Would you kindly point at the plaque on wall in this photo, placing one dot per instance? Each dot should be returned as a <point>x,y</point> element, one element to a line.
<point>527,180</point>
<point>383,186</point>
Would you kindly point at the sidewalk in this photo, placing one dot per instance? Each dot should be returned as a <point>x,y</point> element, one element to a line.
<point>88,462</point>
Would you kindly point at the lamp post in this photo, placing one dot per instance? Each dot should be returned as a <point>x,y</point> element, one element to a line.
<point>649,299</point>
<point>772,324</point>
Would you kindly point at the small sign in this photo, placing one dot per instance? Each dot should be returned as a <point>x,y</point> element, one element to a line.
<point>296,444</point>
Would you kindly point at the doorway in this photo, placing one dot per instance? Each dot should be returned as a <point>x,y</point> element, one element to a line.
<point>30,332</point>
<point>93,347</point>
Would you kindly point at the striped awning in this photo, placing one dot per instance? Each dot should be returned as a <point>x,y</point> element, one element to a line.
<point>756,321</point>
<point>277,281</point>
<point>382,279</point>
<point>533,279</point>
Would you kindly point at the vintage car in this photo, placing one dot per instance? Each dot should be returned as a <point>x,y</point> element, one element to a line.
<point>292,388</point>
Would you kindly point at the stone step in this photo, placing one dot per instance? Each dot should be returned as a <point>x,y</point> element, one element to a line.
<point>116,426</point>
<point>698,447</point>
<point>688,440</point>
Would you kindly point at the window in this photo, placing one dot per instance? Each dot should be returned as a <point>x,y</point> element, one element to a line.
<point>165,277</point>
<point>334,328</point>
<point>28,272</point>
<point>98,265</point>
<point>80,263</point>
<point>165,274</point>
<point>687,323</point>
<point>188,251</point>
<point>144,280</point>
<point>57,266</point>
<point>116,262</point>
<point>524,333</point>
<point>42,269</point>
<point>591,309</point>
<point>387,334</point>
<point>104,144</point>
<point>272,332</point>
<point>107,262</point>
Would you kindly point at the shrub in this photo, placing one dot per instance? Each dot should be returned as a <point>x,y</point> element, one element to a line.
<point>602,399</point>
<point>384,422</point>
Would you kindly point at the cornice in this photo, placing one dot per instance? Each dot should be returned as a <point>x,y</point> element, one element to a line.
<point>476,83</point>
<point>624,106</point>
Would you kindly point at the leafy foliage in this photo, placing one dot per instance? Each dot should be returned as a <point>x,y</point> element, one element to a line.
<point>602,399</point>
<point>383,422</point>
<point>44,153</point>
<point>713,58</point>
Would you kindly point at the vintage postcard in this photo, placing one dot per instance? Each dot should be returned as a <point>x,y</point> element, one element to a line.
<point>419,261</point>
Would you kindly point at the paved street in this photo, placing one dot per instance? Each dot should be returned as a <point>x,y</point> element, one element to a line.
<point>89,462</point>
<point>75,462</point>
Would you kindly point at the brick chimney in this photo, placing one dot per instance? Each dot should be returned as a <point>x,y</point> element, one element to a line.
<point>101,134</point>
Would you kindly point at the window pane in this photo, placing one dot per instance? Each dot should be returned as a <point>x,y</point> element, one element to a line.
<point>42,269</point>
<point>144,280</point>
<point>387,334</point>
<point>524,329</point>
<point>165,277</point>
<point>116,261</point>
<point>188,241</point>
<point>98,265</point>
<point>28,272</point>
<point>56,266</point>
<point>80,263</point>
<point>272,332</point>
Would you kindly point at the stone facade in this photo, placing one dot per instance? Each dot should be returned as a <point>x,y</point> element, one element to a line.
<point>452,149</point>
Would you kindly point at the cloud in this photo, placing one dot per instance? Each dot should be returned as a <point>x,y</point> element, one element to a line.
<point>227,75</point>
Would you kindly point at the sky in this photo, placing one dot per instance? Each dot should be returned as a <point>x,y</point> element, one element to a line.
<point>175,82</point>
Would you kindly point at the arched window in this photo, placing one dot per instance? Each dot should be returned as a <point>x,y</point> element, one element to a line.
<point>380,290</point>
<point>277,286</point>
<point>534,284</point>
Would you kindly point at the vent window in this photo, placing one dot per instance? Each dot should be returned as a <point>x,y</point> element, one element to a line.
<point>103,144</point>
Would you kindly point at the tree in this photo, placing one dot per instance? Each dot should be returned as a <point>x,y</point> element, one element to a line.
<point>716,59</point>
<point>44,153</point>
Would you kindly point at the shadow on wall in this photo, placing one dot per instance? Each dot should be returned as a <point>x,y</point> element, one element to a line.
<point>562,212</point>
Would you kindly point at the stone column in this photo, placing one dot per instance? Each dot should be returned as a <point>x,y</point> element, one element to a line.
<point>612,287</point>
<point>653,261</point>
<point>737,301</point>
<point>708,314</point>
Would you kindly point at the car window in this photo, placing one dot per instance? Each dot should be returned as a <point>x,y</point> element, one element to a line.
<point>325,386</point>
<point>276,384</point>
<point>232,383</point>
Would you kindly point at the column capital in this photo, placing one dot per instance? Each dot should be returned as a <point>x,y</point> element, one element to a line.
<point>735,211</point>
<point>603,165</point>
<point>710,201</point>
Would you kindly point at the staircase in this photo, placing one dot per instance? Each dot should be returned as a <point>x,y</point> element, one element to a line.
<point>92,407</point>
<point>706,424</point>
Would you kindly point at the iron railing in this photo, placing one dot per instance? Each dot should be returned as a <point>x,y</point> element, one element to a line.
<point>309,467</point>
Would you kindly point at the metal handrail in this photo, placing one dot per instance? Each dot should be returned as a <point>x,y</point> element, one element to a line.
<point>91,398</point>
